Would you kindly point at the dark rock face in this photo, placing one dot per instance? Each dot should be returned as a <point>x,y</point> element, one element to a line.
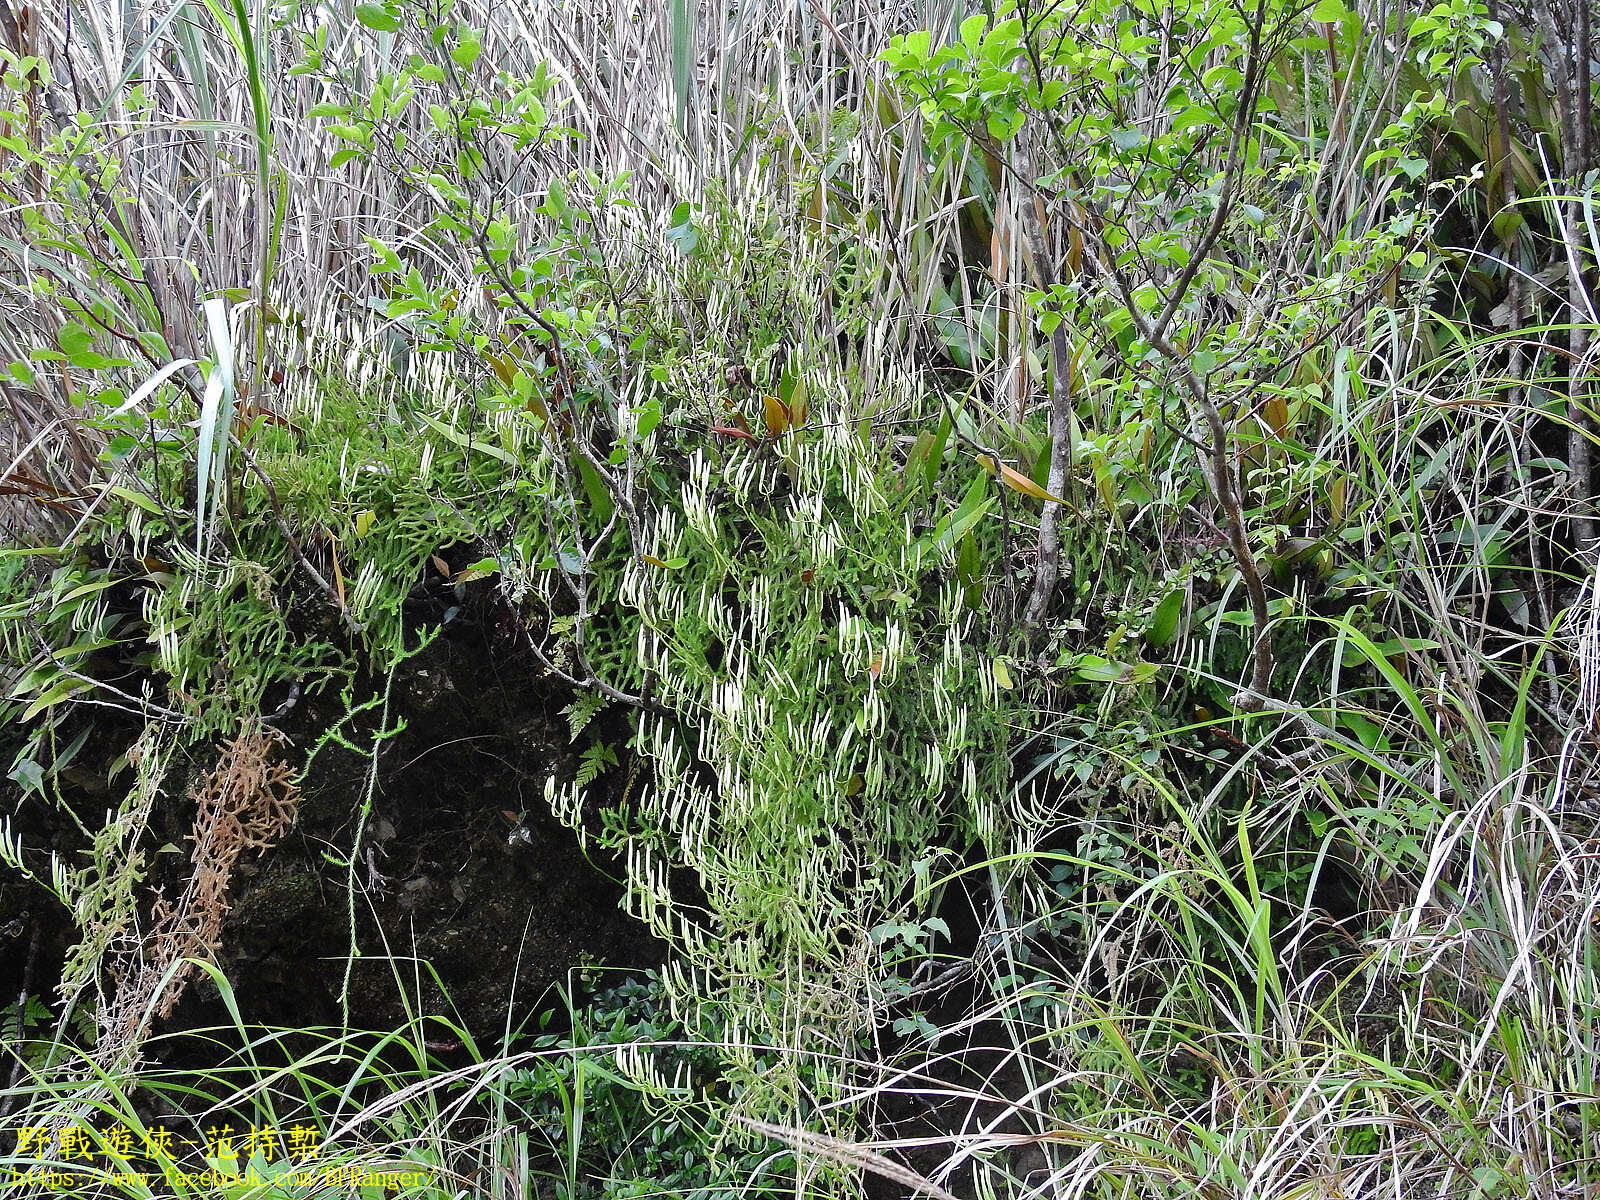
<point>467,893</point>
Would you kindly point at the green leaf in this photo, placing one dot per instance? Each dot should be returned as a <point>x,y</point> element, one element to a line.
<point>954,526</point>
<point>467,52</point>
<point>1163,625</point>
<point>1513,739</point>
<point>64,689</point>
<point>682,234</point>
<point>1091,668</point>
<point>138,499</point>
<point>917,458</point>
<point>29,775</point>
<point>934,463</point>
<point>377,16</point>
<point>968,564</point>
<point>647,417</point>
<point>93,361</point>
<point>599,495</point>
<point>74,339</point>
<point>466,443</point>
<point>1330,12</point>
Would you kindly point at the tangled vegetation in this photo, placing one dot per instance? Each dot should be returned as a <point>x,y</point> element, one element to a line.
<point>1061,539</point>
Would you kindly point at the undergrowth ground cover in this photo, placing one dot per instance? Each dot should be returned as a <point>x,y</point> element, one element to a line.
<point>1064,536</point>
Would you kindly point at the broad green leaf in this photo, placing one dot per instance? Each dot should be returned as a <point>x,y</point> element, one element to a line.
<point>1164,621</point>
<point>63,690</point>
<point>935,460</point>
<point>599,496</point>
<point>917,458</point>
<point>377,16</point>
<point>466,53</point>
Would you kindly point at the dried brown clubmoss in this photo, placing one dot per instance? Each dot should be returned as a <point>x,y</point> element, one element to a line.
<point>245,802</point>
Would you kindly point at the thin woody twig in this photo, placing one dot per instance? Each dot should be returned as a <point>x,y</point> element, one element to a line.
<point>142,706</point>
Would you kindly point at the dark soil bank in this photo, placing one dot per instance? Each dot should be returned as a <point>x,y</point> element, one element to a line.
<point>468,894</point>
<point>459,866</point>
